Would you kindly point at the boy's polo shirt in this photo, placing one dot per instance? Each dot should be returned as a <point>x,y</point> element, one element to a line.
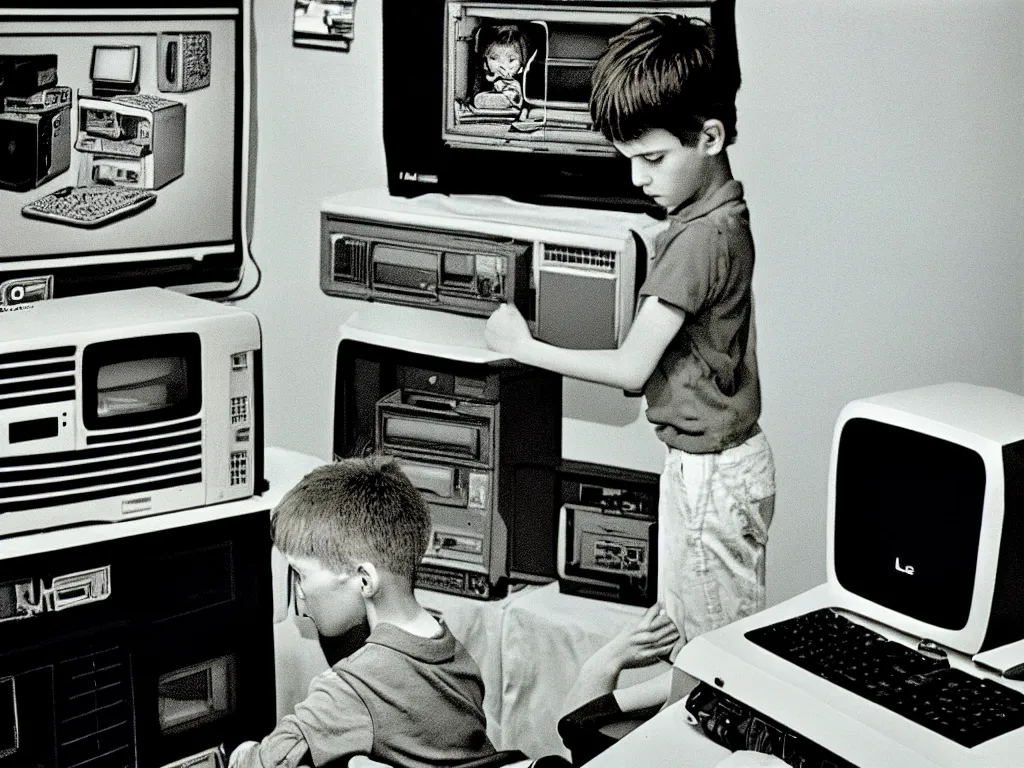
<point>705,396</point>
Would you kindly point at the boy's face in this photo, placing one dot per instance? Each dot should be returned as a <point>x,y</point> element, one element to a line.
<point>503,61</point>
<point>667,171</point>
<point>334,602</point>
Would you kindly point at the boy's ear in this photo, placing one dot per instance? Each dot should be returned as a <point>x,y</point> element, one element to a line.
<point>369,579</point>
<point>712,137</point>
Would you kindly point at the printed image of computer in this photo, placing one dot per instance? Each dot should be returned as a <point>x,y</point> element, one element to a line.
<point>908,655</point>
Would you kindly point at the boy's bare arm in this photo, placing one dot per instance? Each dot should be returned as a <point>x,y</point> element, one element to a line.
<point>627,367</point>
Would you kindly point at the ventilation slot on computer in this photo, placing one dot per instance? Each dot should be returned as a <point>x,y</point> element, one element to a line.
<point>93,701</point>
<point>579,258</point>
<point>37,376</point>
<point>351,258</point>
<point>144,460</point>
<point>239,410</point>
<point>239,467</point>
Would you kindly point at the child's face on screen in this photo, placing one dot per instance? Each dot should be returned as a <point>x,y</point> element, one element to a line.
<point>668,172</point>
<point>334,602</point>
<point>503,61</point>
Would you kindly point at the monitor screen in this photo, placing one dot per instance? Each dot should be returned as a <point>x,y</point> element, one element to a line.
<point>115,64</point>
<point>138,386</point>
<point>129,165</point>
<point>908,520</point>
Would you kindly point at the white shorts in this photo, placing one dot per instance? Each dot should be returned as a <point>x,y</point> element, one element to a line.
<point>714,511</point>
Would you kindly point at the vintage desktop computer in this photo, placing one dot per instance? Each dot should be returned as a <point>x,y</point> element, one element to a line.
<point>481,438</point>
<point>911,653</point>
<point>573,273</point>
<point>127,404</point>
<point>135,596</point>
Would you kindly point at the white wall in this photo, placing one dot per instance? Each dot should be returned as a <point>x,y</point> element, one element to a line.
<point>880,143</point>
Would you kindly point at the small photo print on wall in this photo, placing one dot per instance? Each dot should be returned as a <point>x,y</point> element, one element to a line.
<point>324,25</point>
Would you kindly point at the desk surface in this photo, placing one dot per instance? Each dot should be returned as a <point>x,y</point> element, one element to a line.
<point>665,739</point>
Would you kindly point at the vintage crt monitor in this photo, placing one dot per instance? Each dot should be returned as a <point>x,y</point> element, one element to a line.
<point>479,436</point>
<point>608,533</point>
<point>926,490</point>
<point>125,404</point>
<point>145,648</point>
<point>195,234</point>
<point>114,70</point>
<point>572,272</point>
<point>452,133</point>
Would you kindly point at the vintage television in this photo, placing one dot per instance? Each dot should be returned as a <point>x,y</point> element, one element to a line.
<point>572,272</point>
<point>454,133</point>
<point>145,649</point>
<point>608,533</point>
<point>925,531</point>
<point>481,439</point>
<point>125,404</point>
<point>143,196</point>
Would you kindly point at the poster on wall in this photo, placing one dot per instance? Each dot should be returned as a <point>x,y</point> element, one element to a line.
<point>324,25</point>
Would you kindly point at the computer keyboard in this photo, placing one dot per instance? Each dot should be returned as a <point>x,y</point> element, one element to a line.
<point>89,206</point>
<point>963,707</point>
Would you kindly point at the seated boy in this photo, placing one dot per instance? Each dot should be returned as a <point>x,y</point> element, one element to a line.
<point>354,531</point>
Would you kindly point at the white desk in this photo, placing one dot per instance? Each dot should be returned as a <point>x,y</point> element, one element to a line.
<point>667,739</point>
<point>545,640</point>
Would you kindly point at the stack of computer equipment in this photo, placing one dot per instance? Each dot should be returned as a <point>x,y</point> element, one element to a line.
<point>500,190</point>
<point>480,439</point>
<point>131,636</point>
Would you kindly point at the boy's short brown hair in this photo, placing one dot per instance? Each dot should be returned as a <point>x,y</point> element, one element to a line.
<point>661,73</point>
<point>356,510</point>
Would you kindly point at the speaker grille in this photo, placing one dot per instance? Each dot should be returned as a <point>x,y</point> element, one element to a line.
<point>37,376</point>
<point>586,258</point>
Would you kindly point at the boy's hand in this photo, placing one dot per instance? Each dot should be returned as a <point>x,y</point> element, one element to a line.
<point>651,638</point>
<point>506,330</point>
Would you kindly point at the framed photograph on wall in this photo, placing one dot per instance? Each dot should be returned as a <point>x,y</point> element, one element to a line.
<point>324,24</point>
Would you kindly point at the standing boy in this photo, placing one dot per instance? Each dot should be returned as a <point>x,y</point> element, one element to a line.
<point>354,532</point>
<point>660,98</point>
